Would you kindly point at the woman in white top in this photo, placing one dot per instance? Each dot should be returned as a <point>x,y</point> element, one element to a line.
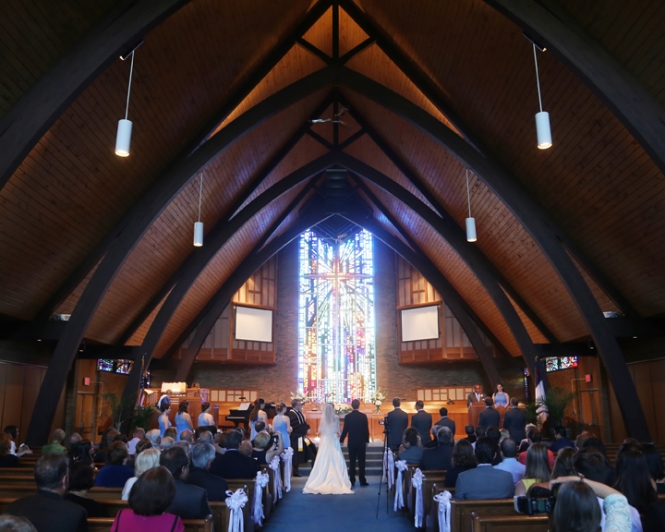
<point>144,461</point>
<point>257,414</point>
<point>206,419</point>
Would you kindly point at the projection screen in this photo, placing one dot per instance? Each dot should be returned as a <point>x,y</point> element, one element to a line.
<point>421,323</point>
<point>253,324</point>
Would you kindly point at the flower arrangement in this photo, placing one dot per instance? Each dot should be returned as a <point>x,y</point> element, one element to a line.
<point>377,399</point>
<point>299,396</point>
<point>341,409</point>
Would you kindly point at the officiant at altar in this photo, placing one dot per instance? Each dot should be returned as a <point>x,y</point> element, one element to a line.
<point>303,449</point>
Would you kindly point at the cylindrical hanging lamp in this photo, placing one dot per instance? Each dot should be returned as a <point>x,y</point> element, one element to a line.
<point>123,138</point>
<point>198,226</point>
<point>470,222</point>
<point>543,129</point>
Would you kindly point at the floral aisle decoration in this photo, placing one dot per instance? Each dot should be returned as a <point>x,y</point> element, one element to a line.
<point>377,399</point>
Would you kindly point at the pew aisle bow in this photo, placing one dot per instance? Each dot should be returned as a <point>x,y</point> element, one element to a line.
<point>417,482</point>
<point>287,457</point>
<point>389,468</point>
<point>444,510</point>
<point>261,482</point>
<point>399,485</point>
<point>236,501</point>
<point>277,479</point>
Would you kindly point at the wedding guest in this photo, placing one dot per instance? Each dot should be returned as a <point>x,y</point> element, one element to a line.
<point>422,422</point>
<point>190,502</point>
<point>166,443</point>
<point>115,473</point>
<point>73,440</point>
<point>6,458</point>
<point>13,523</point>
<point>439,458</point>
<point>148,504</point>
<point>219,442</point>
<point>164,421</point>
<point>484,481</point>
<point>411,449</point>
<point>47,510</point>
<point>596,443</point>
<point>203,455</point>
<point>489,417</point>
<point>561,440</point>
<point>81,480</point>
<point>656,468</point>
<point>143,445</point>
<point>257,414</point>
<point>154,437</point>
<point>500,397</point>
<point>183,421</point>
<point>564,463</point>
<point>535,437</point>
<point>205,418</point>
<point>282,424</point>
<point>188,436</point>
<point>55,445</point>
<point>246,449</point>
<point>445,421</point>
<point>470,433</point>
<point>397,422</point>
<point>537,468</point>
<point>514,421</point>
<point>137,436</point>
<point>266,448</point>
<point>145,460</point>
<point>107,439</point>
<point>232,464</point>
<point>81,453</point>
<point>463,459</point>
<point>185,446</point>
<point>12,430</point>
<point>509,463</point>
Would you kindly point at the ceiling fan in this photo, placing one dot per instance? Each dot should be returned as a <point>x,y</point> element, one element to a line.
<point>336,119</point>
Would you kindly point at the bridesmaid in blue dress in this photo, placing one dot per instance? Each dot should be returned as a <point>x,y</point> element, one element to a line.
<point>183,421</point>
<point>500,397</point>
<point>282,424</point>
<point>164,422</point>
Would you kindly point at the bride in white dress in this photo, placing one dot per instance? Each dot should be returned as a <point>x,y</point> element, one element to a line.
<point>329,474</point>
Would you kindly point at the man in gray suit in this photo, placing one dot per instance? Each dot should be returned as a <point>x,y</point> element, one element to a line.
<point>422,422</point>
<point>445,421</point>
<point>484,481</point>
<point>397,422</point>
<point>489,417</point>
<point>476,396</point>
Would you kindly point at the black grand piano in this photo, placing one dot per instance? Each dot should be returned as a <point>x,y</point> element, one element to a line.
<point>240,415</point>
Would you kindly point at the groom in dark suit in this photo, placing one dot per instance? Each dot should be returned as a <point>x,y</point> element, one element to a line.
<point>357,427</point>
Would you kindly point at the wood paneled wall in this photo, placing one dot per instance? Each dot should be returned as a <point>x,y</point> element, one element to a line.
<point>414,290</point>
<point>19,386</point>
<point>260,290</point>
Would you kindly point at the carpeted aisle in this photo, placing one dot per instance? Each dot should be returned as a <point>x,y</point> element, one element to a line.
<point>334,513</point>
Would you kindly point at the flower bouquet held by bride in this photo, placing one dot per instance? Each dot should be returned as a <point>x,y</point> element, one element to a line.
<point>329,474</point>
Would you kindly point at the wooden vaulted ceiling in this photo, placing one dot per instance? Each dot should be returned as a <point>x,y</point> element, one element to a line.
<point>204,67</point>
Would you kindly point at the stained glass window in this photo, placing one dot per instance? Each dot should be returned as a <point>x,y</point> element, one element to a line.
<point>124,366</point>
<point>336,351</point>
<point>559,363</point>
<point>104,364</point>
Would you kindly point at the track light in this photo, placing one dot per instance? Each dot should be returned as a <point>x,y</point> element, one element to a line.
<point>198,226</point>
<point>470,222</point>
<point>123,138</point>
<point>543,129</point>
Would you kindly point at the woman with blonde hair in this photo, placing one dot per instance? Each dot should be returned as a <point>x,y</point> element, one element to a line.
<point>537,468</point>
<point>144,461</point>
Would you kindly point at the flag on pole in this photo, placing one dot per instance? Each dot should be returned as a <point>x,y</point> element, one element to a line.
<point>541,409</point>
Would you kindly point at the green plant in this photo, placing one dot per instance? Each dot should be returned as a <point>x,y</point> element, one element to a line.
<point>142,417</point>
<point>531,414</point>
<point>126,412</point>
<point>556,401</point>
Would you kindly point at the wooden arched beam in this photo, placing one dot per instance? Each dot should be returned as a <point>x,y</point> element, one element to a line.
<point>543,231</point>
<point>142,216</point>
<point>38,109</point>
<point>550,25</point>
<point>450,296</point>
<point>207,318</point>
<point>454,235</point>
<point>432,92</point>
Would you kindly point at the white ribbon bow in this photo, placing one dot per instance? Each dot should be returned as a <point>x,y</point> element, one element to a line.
<point>389,468</point>
<point>277,479</point>
<point>417,482</point>
<point>236,501</point>
<point>399,494</point>
<point>444,510</point>
<point>287,458</point>
<point>261,482</point>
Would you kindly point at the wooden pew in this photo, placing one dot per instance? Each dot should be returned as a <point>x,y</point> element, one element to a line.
<point>16,471</point>
<point>191,525</point>
<point>248,485</point>
<point>462,510</point>
<point>519,523</point>
<point>432,518</point>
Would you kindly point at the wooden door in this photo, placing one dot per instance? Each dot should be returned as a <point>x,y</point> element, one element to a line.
<point>85,415</point>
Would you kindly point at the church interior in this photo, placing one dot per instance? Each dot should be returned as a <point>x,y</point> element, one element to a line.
<point>333,200</point>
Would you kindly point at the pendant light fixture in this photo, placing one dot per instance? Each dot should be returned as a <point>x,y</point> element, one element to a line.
<point>542,118</point>
<point>124,137</point>
<point>198,226</point>
<point>470,222</point>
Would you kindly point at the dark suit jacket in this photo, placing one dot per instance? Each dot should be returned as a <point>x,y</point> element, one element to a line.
<point>215,486</point>
<point>298,427</point>
<point>398,421</point>
<point>190,502</point>
<point>514,421</point>
<point>49,512</point>
<point>232,464</point>
<point>484,482</point>
<point>357,428</point>
<point>422,422</point>
<point>446,422</point>
<point>437,458</point>
<point>471,398</point>
<point>489,417</point>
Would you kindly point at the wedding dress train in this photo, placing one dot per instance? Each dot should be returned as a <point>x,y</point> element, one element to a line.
<point>329,474</point>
